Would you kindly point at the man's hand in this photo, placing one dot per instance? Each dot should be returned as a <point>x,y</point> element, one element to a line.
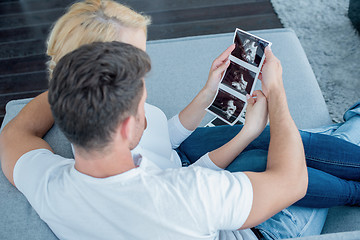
<point>219,65</point>
<point>256,114</point>
<point>271,74</point>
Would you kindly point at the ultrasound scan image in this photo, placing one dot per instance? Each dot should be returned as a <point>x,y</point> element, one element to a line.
<point>249,48</point>
<point>238,78</point>
<point>227,106</point>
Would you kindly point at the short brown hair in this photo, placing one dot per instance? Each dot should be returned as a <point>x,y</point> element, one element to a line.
<point>95,88</point>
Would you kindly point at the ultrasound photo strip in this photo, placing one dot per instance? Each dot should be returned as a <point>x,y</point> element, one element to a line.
<point>227,107</point>
<point>240,77</point>
<point>218,122</point>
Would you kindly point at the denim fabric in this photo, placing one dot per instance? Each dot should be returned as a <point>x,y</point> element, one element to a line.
<point>352,111</point>
<point>291,222</point>
<point>333,163</point>
<point>324,190</point>
<point>333,159</point>
<point>348,130</point>
<point>332,155</point>
<point>294,222</point>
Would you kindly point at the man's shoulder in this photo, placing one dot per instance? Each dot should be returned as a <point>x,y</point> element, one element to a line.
<point>39,155</point>
<point>36,163</point>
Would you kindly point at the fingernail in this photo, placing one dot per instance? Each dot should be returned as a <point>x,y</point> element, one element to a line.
<point>247,96</point>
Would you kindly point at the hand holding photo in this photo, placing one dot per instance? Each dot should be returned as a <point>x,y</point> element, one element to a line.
<point>240,77</point>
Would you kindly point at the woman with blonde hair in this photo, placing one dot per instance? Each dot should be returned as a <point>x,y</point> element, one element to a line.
<point>95,21</point>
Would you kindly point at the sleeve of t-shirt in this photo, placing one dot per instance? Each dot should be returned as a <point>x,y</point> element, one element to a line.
<point>206,162</point>
<point>30,171</point>
<point>225,198</point>
<point>177,132</point>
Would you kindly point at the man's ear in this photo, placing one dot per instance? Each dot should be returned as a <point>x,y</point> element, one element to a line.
<point>127,128</point>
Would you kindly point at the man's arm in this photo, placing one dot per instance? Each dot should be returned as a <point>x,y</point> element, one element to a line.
<point>24,133</point>
<point>285,178</point>
<point>193,114</point>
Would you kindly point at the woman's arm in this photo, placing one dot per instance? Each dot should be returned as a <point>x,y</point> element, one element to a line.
<point>193,114</point>
<point>255,122</point>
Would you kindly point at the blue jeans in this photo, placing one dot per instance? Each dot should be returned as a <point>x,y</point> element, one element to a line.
<point>333,163</point>
<point>294,222</point>
<point>349,130</point>
<point>334,169</point>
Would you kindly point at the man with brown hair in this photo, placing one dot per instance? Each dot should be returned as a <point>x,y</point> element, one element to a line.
<point>97,97</point>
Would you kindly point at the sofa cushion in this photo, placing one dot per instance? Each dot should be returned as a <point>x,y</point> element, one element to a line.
<point>181,66</point>
<point>342,219</point>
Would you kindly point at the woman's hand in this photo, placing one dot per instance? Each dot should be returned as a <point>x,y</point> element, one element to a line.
<point>219,65</point>
<point>191,116</point>
<point>256,114</point>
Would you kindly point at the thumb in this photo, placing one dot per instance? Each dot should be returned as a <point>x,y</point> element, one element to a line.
<point>250,100</point>
<point>268,53</point>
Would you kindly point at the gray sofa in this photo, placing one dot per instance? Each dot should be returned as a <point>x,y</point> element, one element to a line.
<point>180,69</point>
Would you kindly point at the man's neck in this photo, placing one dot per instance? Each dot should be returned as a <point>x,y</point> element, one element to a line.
<point>105,164</point>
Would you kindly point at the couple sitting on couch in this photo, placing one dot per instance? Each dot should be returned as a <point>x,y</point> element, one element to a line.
<point>127,180</point>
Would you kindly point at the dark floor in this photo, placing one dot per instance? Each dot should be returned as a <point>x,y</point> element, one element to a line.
<point>24,25</point>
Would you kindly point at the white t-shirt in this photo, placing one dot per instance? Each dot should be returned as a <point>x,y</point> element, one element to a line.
<point>143,203</point>
<point>161,137</point>
<point>158,141</point>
